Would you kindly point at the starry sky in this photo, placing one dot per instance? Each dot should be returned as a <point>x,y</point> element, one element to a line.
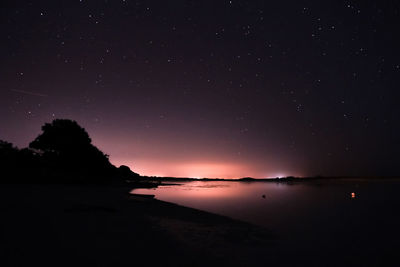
<point>210,88</point>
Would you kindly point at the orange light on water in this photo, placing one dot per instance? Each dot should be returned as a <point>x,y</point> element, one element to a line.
<point>353,195</point>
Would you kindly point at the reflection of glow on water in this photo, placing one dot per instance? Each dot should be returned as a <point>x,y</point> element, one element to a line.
<point>353,195</point>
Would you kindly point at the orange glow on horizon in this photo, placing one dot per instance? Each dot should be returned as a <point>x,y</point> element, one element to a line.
<point>191,169</point>
<point>171,159</point>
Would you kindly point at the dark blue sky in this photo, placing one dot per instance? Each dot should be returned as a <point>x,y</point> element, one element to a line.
<point>210,88</point>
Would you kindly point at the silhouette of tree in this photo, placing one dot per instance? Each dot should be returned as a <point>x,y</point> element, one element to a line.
<point>67,148</point>
<point>64,153</point>
<point>61,136</point>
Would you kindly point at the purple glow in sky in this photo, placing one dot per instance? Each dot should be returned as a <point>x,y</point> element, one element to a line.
<point>199,88</point>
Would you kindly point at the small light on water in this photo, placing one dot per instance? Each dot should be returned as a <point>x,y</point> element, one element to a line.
<point>353,195</point>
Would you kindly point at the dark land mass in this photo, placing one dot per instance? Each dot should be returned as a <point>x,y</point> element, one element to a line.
<point>75,225</point>
<point>62,154</point>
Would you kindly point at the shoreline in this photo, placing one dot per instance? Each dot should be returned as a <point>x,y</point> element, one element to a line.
<point>152,180</point>
<point>105,226</point>
<point>100,225</point>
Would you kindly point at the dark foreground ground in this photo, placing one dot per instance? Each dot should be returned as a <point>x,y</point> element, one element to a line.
<point>55,225</point>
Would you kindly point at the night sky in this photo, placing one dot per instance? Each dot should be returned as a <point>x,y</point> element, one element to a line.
<point>210,88</point>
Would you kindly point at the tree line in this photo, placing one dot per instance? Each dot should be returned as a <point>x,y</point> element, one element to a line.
<point>62,153</point>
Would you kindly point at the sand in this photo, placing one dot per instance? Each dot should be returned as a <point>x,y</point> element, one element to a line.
<point>67,225</point>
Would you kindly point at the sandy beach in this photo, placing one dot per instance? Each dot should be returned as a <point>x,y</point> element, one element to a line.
<point>67,225</point>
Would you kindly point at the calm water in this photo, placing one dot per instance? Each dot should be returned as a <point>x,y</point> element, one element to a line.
<point>353,215</point>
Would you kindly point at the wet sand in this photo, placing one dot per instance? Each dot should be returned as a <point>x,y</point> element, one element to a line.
<point>56,225</point>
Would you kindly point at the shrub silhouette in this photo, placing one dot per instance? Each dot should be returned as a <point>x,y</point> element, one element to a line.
<point>15,163</point>
<point>8,159</point>
<point>7,151</point>
<point>126,173</point>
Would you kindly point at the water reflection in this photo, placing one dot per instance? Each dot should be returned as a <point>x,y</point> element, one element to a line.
<point>241,200</point>
<point>309,217</point>
<point>290,209</point>
<point>247,201</point>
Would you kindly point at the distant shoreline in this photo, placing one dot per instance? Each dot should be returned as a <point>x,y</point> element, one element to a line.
<point>279,180</point>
